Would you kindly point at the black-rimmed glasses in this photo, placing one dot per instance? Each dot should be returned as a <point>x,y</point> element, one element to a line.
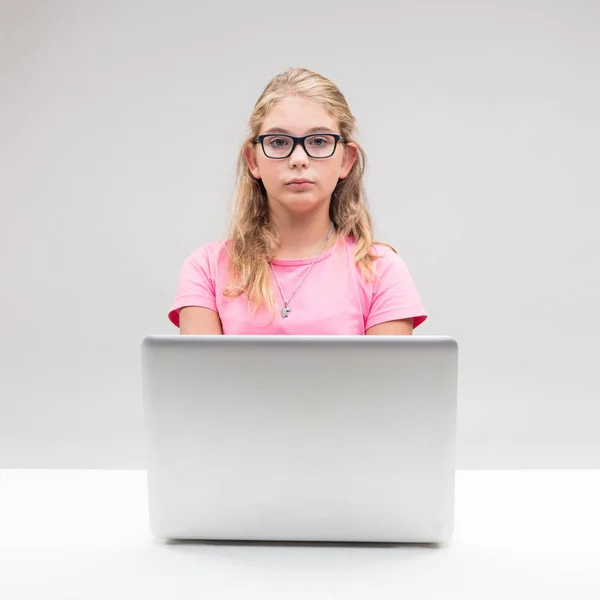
<point>316,145</point>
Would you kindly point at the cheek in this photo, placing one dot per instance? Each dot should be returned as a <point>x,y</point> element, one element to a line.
<point>268,170</point>
<point>329,176</point>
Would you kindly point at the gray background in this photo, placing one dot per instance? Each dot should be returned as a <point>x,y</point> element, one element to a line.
<point>120,124</point>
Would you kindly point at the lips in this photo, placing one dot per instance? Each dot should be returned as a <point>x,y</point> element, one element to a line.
<point>298,181</point>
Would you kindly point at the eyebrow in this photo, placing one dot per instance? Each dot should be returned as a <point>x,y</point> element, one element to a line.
<point>313,130</point>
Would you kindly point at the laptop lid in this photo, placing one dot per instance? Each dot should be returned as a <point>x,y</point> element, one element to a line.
<point>301,438</point>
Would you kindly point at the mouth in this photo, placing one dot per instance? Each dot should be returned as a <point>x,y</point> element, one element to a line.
<point>299,184</point>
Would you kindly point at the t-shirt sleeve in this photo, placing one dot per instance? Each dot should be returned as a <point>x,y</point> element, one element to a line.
<point>196,284</point>
<point>395,296</point>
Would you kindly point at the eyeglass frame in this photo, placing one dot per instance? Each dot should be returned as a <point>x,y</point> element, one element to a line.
<point>299,140</point>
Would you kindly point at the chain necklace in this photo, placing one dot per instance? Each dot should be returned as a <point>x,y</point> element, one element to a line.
<point>285,311</point>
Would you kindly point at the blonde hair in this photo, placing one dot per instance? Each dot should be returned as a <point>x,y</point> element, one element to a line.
<point>253,240</point>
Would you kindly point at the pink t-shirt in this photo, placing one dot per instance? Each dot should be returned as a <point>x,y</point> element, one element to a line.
<point>334,299</point>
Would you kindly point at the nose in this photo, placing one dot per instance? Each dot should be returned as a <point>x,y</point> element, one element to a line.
<point>298,158</point>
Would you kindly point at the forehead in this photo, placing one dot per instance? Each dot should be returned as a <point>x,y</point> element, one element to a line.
<point>298,116</point>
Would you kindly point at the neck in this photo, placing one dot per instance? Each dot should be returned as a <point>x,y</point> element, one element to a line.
<point>301,236</point>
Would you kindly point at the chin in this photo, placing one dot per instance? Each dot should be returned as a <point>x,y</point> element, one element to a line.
<point>302,204</point>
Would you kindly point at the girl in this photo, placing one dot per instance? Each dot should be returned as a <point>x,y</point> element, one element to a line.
<point>300,256</point>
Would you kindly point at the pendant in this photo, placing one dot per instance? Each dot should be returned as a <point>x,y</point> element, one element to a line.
<point>284,311</point>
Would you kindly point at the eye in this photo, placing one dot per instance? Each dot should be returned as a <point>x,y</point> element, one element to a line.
<point>278,142</point>
<point>319,141</point>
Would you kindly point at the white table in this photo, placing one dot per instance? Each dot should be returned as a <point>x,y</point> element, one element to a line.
<point>84,535</point>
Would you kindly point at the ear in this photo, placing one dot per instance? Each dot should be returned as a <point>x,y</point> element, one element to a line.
<point>250,156</point>
<point>350,156</point>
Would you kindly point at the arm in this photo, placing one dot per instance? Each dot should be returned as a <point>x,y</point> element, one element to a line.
<point>196,320</point>
<point>400,327</point>
<point>396,308</point>
<point>194,310</point>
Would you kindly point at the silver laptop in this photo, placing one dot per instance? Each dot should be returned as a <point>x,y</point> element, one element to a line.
<point>301,438</point>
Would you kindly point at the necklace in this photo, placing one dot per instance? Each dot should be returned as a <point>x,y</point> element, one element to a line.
<point>285,311</point>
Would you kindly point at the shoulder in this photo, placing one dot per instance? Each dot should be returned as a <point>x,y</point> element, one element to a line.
<point>391,293</point>
<point>210,251</point>
<point>388,263</point>
<point>384,254</point>
<point>209,258</point>
<point>388,272</point>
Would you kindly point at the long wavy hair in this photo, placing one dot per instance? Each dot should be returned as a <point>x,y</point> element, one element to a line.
<point>253,239</point>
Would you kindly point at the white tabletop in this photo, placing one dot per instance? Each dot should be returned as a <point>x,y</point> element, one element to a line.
<point>84,535</point>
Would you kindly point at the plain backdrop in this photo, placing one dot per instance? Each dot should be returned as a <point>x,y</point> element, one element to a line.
<point>120,123</point>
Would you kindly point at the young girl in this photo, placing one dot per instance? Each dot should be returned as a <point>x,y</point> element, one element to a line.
<point>300,257</point>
